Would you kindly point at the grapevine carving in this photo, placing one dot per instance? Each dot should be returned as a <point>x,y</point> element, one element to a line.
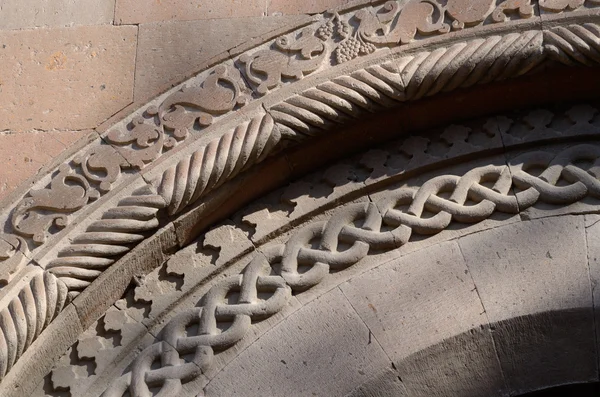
<point>363,227</point>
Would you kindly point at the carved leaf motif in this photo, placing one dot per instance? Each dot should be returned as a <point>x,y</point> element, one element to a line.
<point>523,7</point>
<point>292,58</point>
<point>12,256</point>
<point>102,164</point>
<point>561,5</point>
<point>147,142</point>
<point>394,26</point>
<point>222,91</point>
<point>469,12</point>
<point>44,208</point>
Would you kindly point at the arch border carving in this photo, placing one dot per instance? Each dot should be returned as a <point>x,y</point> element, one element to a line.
<point>78,221</point>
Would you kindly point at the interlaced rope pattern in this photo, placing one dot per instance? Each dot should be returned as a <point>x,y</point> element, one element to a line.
<point>346,238</point>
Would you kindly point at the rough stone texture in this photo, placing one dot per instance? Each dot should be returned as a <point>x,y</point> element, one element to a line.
<point>163,57</point>
<point>23,154</point>
<point>536,262</point>
<point>303,355</point>
<point>302,6</point>
<point>465,365</point>
<point>592,224</point>
<point>418,301</point>
<point>19,14</point>
<point>535,269</point>
<point>437,295</point>
<point>141,11</point>
<point>70,79</point>
<point>387,384</point>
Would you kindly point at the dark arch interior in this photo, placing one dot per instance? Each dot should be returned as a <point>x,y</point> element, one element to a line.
<point>579,390</point>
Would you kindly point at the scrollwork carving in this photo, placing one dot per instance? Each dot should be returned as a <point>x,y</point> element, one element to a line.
<point>48,207</point>
<point>290,58</point>
<point>13,251</point>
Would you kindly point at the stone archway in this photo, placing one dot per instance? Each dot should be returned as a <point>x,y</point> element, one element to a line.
<point>99,254</point>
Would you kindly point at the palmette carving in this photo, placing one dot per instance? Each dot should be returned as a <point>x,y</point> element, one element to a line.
<point>363,227</point>
<point>223,90</point>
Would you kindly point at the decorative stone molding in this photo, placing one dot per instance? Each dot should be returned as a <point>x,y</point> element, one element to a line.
<point>383,226</point>
<point>347,236</point>
<point>191,140</point>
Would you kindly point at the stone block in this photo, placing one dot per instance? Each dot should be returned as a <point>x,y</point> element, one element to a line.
<point>544,259</point>
<point>142,11</point>
<point>533,281</point>
<point>67,78</point>
<point>19,14</point>
<point>387,384</point>
<point>592,224</point>
<point>416,301</point>
<point>547,349</point>
<point>23,154</point>
<point>464,365</point>
<point>322,350</point>
<point>169,52</point>
<point>303,6</point>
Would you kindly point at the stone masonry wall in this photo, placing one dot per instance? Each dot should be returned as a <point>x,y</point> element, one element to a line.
<point>67,66</point>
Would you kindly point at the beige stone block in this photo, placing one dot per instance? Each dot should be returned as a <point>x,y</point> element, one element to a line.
<point>545,260</point>
<point>23,154</point>
<point>592,224</point>
<point>67,78</point>
<point>169,52</point>
<point>464,365</point>
<point>142,11</point>
<point>321,350</point>
<point>534,284</point>
<point>416,301</point>
<point>20,14</point>
<point>303,6</point>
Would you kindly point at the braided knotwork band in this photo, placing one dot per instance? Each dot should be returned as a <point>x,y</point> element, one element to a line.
<point>345,239</point>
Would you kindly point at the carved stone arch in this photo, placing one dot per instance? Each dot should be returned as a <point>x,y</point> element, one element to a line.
<point>92,243</point>
<point>365,277</point>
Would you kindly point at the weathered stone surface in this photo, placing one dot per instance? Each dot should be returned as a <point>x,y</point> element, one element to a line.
<point>387,384</point>
<point>19,14</point>
<point>535,275</point>
<point>136,11</point>
<point>416,302</point>
<point>434,298</point>
<point>70,79</point>
<point>164,57</point>
<point>23,154</point>
<point>592,229</point>
<point>303,355</point>
<point>302,6</point>
<point>549,269</point>
<point>464,365</point>
<point>547,349</point>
